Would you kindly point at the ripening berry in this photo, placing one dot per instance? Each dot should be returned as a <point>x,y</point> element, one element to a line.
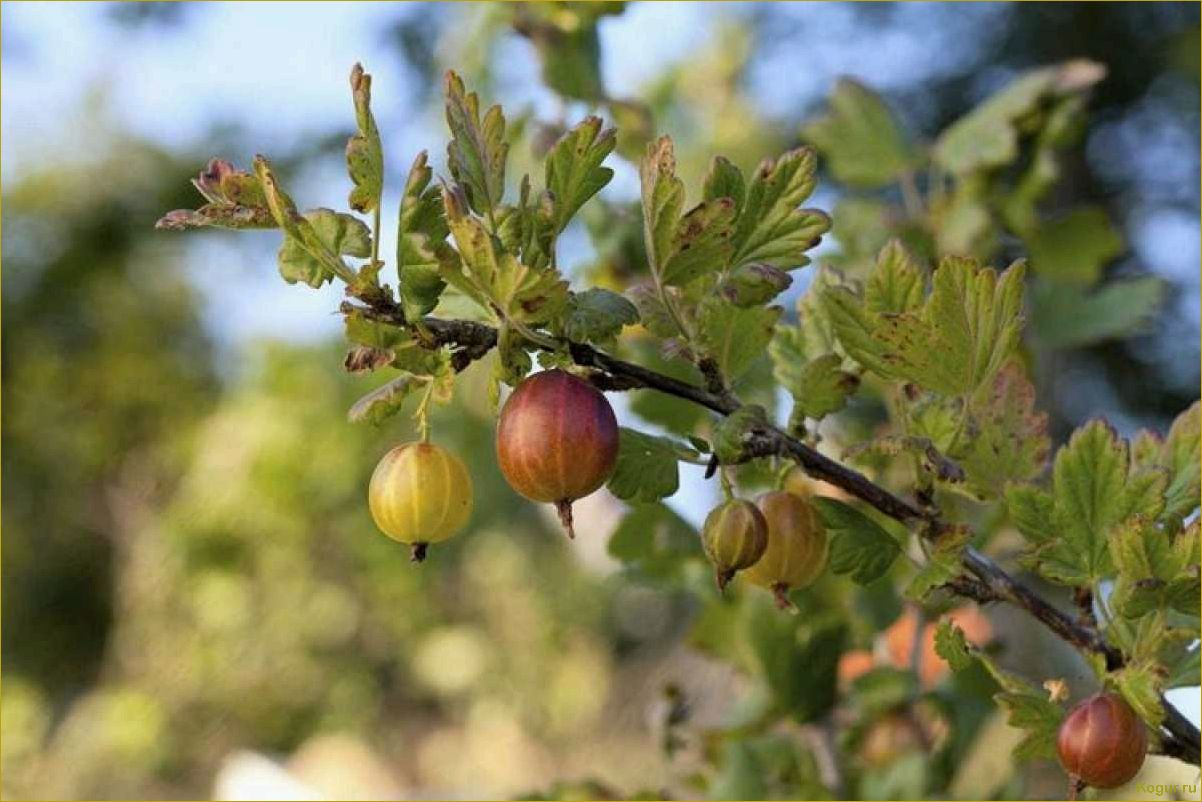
<point>932,669</point>
<point>557,440</point>
<point>1102,742</point>
<point>796,552</point>
<point>735,536</point>
<point>854,664</point>
<point>420,494</point>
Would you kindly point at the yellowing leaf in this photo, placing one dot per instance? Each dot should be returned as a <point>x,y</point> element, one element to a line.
<point>364,154</point>
<point>967,329</point>
<point>1008,439</point>
<point>952,345</point>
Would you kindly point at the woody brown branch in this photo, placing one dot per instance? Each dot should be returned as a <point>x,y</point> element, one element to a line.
<point>470,340</point>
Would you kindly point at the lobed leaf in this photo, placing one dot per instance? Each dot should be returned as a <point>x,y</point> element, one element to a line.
<point>734,338</point>
<point>858,544</point>
<point>1095,488</point>
<point>1073,249</point>
<point>338,233</point>
<point>494,278</point>
<point>421,242</point>
<point>1008,439</point>
<point>573,168</point>
<point>987,137</point>
<point>597,315</point>
<point>647,467</point>
<point>364,153</point>
<point>771,229</point>
<point>862,141</point>
<point>477,151</point>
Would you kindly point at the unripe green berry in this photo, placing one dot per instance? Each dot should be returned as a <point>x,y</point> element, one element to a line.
<point>796,552</point>
<point>734,536</point>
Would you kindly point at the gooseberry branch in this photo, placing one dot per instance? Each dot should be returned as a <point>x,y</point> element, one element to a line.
<point>984,579</point>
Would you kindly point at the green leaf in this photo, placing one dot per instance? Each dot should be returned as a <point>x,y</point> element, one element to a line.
<point>494,278</point>
<point>568,45</point>
<point>952,646</point>
<point>1180,456</point>
<point>1068,317</point>
<point>734,338</point>
<point>753,284</point>
<point>307,239</point>
<point>862,141</point>
<point>421,247</point>
<point>858,544</point>
<point>597,316</point>
<point>968,328</point>
<point>701,243</point>
<point>477,152</point>
<point>573,168</point>
<point>647,467</point>
<point>1031,511</point>
<point>1074,248</point>
<point>1141,685</point>
<point>338,233</point>
<point>1156,569</point>
<point>770,227</point>
<point>651,311</point>
<point>731,432</point>
<point>896,283</point>
<point>724,180</point>
<point>740,775</point>
<point>385,401</point>
<point>796,656</point>
<point>1093,491</point>
<point>944,564</point>
<point>818,386</point>
<point>881,690</point>
<point>987,137</point>
<point>1039,719</point>
<point>364,154</point>
<point>654,540</point>
<point>1008,439</point>
<point>1186,671</point>
<point>407,353</point>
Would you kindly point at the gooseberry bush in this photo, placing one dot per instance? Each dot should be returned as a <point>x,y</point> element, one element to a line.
<point>874,444</point>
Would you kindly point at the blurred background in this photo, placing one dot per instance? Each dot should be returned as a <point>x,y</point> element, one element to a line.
<point>195,600</point>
